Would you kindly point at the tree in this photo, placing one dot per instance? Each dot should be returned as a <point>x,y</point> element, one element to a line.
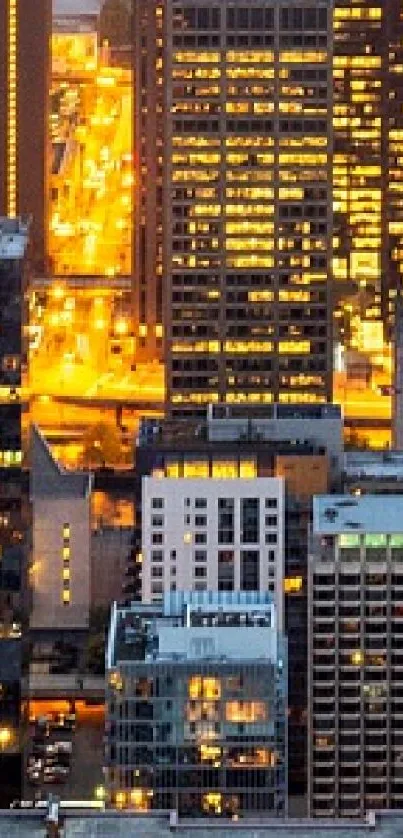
<point>101,446</point>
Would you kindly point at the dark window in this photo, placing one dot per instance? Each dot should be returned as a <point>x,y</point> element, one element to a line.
<point>249,570</point>
<point>250,520</point>
<point>225,570</point>
<point>226,533</point>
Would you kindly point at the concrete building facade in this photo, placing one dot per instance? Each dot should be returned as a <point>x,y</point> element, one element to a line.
<point>213,534</point>
<point>61,543</point>
<point>355,659</point>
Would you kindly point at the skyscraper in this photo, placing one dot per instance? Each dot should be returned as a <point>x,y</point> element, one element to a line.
<point>24,88</point>
<point>148,143</point>
<point>13,500</point>
<point>247,210</point>
<point>368,139</point>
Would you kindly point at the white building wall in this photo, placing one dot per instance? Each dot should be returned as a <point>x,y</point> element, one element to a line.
<point>176,538</point>
<point>50,515</point>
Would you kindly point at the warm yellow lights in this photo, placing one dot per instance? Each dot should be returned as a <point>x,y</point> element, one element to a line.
<point>249,712</point>
<point>293,584</point>
<point>207,688</point>
<point>11,174</point>
<point>6,736</point>
<point>357,658</point>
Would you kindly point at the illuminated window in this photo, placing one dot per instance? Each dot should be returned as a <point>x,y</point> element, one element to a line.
<point>292,584</point>
<point>207,688</point>
<point>249,712</point>
<point>225,469</point>
<point>196,468</point>
<point>247,468</point>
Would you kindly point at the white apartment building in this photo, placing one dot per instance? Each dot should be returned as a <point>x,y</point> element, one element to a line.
<point>213,534</point>
<point>355,655</point>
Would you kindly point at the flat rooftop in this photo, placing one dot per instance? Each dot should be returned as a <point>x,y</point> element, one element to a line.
<point>334,514</point>
<point>141,632</point>
<point>13,238</point>
<point>376,465</point>
<point>119,824</point>
<point>75,8</point>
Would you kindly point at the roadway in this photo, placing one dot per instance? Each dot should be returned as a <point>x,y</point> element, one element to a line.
<point>91,212</point>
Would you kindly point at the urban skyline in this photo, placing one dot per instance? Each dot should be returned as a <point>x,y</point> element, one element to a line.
<point>201,478</point>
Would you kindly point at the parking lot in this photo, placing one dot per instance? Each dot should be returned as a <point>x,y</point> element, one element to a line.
<point>64,752</point>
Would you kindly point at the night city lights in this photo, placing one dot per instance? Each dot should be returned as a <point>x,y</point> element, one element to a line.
<point>201,417</point>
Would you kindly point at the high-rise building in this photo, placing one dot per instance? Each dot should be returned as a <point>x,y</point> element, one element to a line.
<point>148,144</point>
<point>200,682</point>
<point>14,512</point>
<point>302,445</point>
<point>355,657</point>
<point>24,91</point>
<point>247,202</point>
<point>368,137</point>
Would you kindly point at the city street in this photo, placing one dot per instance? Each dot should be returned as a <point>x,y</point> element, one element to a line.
<point>92,179</point>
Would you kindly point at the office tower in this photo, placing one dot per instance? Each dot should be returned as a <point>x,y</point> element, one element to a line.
<point>302,445</point>
<point>247,211</point>
<point>355,655</point>
<point>200,681</point>
<point>61,544</point>
<point>368,137</point>
<point>216,534</point>
<point>13,502</point>
<point>148,144</point>
<point>24,90</point>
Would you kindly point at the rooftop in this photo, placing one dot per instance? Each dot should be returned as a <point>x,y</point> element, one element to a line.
<point>13,238</point>
<point>379,465</point>
<point>300,425</point>
<point>366,513</point>
<point>184,626</point>
<point>157,826</point>
<point>76,7</point>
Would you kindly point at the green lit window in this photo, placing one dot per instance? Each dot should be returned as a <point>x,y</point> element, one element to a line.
<point>375,540</point>
<point>396,540</point>
<point>348,540</point>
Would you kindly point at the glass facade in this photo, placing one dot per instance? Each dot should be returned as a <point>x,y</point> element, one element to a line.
<point>368,136</point>
<point>248,219</point>
<point>202,736</point>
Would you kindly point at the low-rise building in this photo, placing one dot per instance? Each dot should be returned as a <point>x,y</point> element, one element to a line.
<point>196,705</point>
